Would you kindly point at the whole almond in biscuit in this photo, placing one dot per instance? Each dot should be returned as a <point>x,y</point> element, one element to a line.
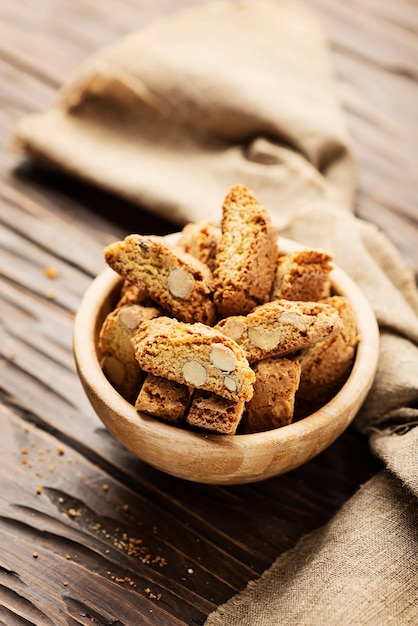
<point>196,355</point>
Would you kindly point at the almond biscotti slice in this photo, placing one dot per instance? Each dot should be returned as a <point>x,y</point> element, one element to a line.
<point>273,402</point>
<point>247,254</point>
<point>179,283</point>
<point>117,357</point>
<point>194,354</point>
<point>164,399</point>
<point>200,239</point>
<point>211,412</point>
<point>281,326</point>
<point>303,275</point>
<point>327,364</point>
<point>132,293</point>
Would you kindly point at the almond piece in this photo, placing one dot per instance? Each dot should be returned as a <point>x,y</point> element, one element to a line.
<point>194,373</point>
<point>264,339</point>
<point>297,321</point>
<point>222,357</point>
<point>230,383</point>
<point>130,317</point>
<point>233,328</point>
<point>180,284</point>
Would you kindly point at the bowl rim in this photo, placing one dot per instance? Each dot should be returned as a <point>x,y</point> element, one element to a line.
<point>95,383</point>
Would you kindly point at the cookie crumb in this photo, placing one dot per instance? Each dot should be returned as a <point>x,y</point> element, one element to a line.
<point>51,272</point>
<point>151,595</point>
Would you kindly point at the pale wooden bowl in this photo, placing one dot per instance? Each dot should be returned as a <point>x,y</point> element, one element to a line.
<point>220,459</point>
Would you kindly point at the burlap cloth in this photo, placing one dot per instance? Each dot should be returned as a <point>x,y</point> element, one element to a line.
<point>242,91</point>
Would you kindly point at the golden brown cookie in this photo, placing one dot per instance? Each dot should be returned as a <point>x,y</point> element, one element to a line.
<point>179,283</point>
<point>132,293</point>
<point>272,405</point>
<point>117,356</point>
<point>211,412</point>
<point>200,239</point>
<point>164,399</point>
<point>281,326</point>
<point>327,364</point>
<point>303,275</point>
<point>194,354</point>
<point>247,254</point>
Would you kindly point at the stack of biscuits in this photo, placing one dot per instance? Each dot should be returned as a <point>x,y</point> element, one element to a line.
<point>221,332</point>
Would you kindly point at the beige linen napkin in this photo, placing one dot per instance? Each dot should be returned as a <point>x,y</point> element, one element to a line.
<point>242,91</point>
<point>175,114</point>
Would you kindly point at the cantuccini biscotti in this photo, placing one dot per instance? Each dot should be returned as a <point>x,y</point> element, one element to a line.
<point>303,275</point>
<point>272,405</point>
<point>326,364</point>
<point>133,293</point>
<point>246,256</point>
<point>117,356</point>
<point>211,412</point>
<point>242,339</point>
<point>164,399</point>
<point>200,239</point>
<point>281,326</point>
<point>177,281</point>
<point>194,354</point>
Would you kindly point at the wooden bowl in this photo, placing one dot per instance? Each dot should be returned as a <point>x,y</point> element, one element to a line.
<point>220,459</point>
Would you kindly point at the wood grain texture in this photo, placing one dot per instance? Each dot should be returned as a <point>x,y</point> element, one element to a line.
<point>88,533</point>
<point>374,48</point>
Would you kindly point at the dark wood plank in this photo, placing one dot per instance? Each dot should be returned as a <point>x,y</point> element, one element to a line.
<point>65,519</point>
<point>374,51</point>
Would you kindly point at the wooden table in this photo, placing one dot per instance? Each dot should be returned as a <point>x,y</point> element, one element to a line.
<point>88,533</point>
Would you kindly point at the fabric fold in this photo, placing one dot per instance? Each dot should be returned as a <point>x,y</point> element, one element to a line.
<point>171,110</point>
<point>342,573</point>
